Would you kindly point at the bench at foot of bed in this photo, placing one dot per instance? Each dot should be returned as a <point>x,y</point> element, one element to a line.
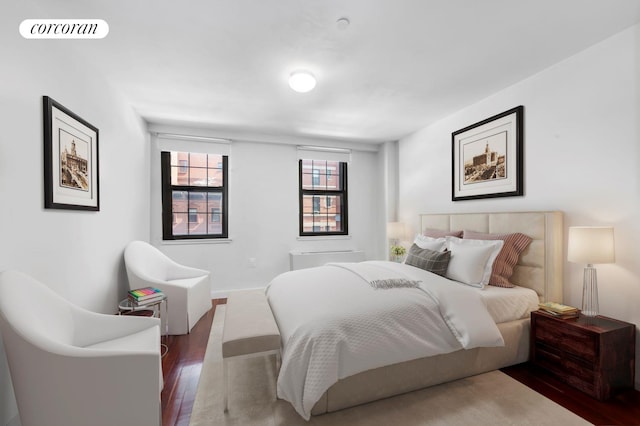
<point>249,330</point>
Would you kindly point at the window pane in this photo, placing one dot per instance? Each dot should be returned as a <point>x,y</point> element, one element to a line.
<point>178,177</point>
<point>307,204</point>
<point>197,176</point>
<point>337,205</point>
<point>197,160</point>
<point>179,158</point>
<point>215,226</point>
<point>180,224</point>
<point>179,201</point>
<point>214,161</point>
<point>216,178</point>
<point>197,223</point>
<point>198,202</point>
<point>333,223</point>
<point>333,175</point>
<point>214,201</point>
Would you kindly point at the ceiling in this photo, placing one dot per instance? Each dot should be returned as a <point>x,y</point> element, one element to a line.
<point>399,66</point>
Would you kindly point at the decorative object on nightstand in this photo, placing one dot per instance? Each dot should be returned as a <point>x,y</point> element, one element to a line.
<point>593,354</point>
<point>397,253</point>
<point>590,245</point>
<point>396,231</point>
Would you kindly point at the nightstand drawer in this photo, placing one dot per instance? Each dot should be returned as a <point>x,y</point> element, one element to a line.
<point>568,339</point>
<point>574,371</point>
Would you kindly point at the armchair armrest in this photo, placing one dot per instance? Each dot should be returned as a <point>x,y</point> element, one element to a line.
<point>176,271</point>
<point>92,328</point>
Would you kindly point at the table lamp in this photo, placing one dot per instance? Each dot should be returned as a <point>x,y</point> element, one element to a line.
<point>395,232</point>
<point>590,245</point>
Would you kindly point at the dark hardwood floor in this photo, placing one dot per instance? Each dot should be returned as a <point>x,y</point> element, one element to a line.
<point>622,409</point>
<point>183,363</point>
<point>181,367</point>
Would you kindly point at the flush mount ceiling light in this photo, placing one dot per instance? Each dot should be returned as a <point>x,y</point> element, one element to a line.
<point>302,81</point>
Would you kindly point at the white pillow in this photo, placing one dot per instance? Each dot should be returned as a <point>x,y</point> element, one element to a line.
<point>435,244</point>
<point>472,260</point>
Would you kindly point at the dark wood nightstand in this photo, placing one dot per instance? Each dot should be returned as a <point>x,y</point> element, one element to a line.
<point>595,355</point>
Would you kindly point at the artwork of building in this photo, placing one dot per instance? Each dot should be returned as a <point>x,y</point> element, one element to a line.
<point>486,166</point>
<point>73,169</point>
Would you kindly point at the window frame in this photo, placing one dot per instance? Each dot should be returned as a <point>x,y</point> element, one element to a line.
<point>168,216</point>
<point>340,193</point>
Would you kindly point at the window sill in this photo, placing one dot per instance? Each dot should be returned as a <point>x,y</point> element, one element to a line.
<point>324,237</point>
<point>196,241</point>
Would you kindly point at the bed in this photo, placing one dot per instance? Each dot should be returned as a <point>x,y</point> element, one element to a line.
<point>337,385</point>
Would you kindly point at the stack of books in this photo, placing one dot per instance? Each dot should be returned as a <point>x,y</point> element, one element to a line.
<point>144,296</point>
<point>559,310</point>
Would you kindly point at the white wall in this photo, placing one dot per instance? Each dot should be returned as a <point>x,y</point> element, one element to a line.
<point>263,213</point>
<point>582,156</point>
<point>78,254</point>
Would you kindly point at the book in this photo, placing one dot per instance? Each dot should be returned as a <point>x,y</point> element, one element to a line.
<point>561,316</point>
<point>145,302</point>
<point>557,308</point>
<point>140,294</point>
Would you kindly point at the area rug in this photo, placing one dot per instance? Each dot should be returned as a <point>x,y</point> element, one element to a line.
<point>487,399</point>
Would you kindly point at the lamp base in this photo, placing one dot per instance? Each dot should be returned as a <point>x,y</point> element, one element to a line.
<point>590,292</point>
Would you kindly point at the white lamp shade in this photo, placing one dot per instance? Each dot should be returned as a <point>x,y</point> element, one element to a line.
<point>591,244</point>
<point>395,230</point>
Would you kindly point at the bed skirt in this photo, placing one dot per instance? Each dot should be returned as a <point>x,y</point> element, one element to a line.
<point>417,374</point>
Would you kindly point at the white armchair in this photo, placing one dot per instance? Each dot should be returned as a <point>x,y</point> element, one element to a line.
<point>70,366</point>
<point>187,289</point>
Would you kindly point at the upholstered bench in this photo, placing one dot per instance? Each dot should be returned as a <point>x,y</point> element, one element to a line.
<point>249,330</point>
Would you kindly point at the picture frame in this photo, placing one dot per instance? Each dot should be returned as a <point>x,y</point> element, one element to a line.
<point>71,166</point>
<point>487,157</point>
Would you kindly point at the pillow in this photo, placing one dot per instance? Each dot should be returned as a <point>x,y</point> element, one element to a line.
<point>438,233</point>
<point>472,260</point>
<point>514,245</point>
<point>436,244</point>
<point>429,260</point>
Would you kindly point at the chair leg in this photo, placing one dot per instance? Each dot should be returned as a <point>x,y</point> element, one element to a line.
<point>226,385</point>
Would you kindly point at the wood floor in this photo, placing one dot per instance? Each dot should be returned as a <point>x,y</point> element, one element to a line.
<point>183,363</point>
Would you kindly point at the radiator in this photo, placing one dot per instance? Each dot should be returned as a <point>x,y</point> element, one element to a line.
<point>309,259</point>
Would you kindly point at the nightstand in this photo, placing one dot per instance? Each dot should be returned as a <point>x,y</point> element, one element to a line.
<point>593,354</point>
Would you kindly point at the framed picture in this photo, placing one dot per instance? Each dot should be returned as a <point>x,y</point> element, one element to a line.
<point>70,160</point>
<point>487,158</point>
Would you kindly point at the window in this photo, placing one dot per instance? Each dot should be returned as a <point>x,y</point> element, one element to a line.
<point>320,179</point>
<point>194,195</point>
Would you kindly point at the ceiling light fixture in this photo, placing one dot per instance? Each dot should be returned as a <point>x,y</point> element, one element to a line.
<point>342,23</point>
<point>302,81</point>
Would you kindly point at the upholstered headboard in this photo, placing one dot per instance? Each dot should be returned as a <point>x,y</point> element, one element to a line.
<point>540,265</point>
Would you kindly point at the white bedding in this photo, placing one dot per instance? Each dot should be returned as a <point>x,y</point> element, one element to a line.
<point>509,304</point>
<point>334,324</point>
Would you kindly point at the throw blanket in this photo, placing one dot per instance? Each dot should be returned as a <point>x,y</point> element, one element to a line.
<point>378,276</point>
<point>334,324</point>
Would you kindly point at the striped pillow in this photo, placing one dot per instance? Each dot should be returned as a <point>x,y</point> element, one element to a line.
<point>429,260</point>
<point>514,245</point>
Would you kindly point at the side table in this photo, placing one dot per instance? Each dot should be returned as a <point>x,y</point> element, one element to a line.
<point>125,305</point>
<point>593,354</point>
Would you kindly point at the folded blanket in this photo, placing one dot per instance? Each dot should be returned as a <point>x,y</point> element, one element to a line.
<point>378,277</point>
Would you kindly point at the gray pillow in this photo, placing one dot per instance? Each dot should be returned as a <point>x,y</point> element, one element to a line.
<point>429,260</point>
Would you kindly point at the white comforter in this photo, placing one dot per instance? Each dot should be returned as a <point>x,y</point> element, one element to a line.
<point>334,324</point>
